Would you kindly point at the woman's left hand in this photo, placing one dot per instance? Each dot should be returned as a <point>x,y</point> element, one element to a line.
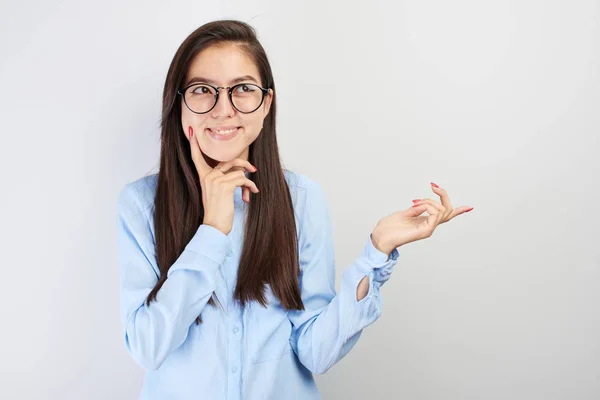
<point>408,225</point>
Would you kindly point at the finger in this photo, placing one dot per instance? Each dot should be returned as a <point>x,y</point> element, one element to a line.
<point>201,165</point>
<point>237,164</point>
<point>432,202</point>
<point>442,210</point>
<point>458,211</point>
<point>229,169</point>
<point>443,196</point>
<point>238,178</point>
<point>419,209</point>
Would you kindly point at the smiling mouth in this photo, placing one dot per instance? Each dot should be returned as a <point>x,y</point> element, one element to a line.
<point>223,134</point>
<point>224,130</point>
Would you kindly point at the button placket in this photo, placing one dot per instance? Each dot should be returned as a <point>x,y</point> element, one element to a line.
<point>235,354</point>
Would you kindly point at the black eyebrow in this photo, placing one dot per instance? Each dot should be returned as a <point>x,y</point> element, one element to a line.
<point>197,79</point>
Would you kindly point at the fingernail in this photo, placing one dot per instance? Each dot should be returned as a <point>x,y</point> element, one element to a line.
<point>417,201</point>
<point>190,131</point>
<point>417,205</point>
<point>434,185</point>
<point>469,209</point>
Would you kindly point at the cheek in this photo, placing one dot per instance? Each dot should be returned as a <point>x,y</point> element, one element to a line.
<point>188,118</point>
<point>253,128</point>
<point>257,121</point>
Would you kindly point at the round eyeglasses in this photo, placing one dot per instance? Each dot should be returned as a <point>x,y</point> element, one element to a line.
<point>200,98</point>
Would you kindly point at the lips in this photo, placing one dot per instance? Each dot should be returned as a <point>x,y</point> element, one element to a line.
<point>223,133</point>
<point>223,129</point>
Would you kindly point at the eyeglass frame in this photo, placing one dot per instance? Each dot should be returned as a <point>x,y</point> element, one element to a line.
<point>264,91</point>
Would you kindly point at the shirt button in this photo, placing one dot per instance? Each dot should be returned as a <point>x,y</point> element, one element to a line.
<point>229,253</point>
<point>233,369</point>
<point>235,330</point>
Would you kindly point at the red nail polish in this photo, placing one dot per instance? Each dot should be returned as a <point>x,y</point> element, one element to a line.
<point>190,131</point>
<point>417,205</point>
<point>434,185</point>
<point>416,200</point>
<point>469,209</point>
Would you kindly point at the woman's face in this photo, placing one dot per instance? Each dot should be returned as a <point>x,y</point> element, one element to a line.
<point>224,65</point>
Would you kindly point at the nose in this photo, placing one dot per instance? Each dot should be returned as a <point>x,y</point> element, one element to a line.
<point>223,106</point>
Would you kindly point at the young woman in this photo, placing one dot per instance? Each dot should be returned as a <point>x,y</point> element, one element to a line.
<point>226,260</point>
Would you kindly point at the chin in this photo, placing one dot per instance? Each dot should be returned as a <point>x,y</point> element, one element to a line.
<point>213,158</point>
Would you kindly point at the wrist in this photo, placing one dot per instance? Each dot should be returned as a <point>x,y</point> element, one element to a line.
<point>216,226</point>
<point>377,243</point>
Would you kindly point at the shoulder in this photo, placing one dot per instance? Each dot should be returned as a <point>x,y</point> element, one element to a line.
<point>308,199</point>
<point>304,188</point>
<point>137,195</point>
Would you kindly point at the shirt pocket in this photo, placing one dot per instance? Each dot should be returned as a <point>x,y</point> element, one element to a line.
<point>270,330</point>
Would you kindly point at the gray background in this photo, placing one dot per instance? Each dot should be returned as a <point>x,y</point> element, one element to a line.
<point>498,102</point>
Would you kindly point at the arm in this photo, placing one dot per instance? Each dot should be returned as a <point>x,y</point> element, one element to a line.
<point>363,286</point>
<point>153,331</point>
<point>331,323</point>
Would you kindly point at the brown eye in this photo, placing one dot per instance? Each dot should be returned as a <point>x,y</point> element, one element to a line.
<point>245,89</point>
<point>202,90</point>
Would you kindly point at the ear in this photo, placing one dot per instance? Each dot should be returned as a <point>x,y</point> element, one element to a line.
<point>268,101</point>
<point>184,125</point>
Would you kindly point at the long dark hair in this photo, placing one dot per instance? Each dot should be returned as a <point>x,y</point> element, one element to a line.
<point>270,250</point>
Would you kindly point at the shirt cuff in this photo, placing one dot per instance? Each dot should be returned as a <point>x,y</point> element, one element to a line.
<point>371,258</point>
<point>207,242</point>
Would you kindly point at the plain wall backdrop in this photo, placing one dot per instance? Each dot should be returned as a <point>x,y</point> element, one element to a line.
<point>498,102</point>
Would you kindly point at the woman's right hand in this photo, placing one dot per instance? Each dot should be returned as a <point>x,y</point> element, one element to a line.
<point>218,186</point>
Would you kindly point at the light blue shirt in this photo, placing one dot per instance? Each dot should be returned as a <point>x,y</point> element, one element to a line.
<point>253,353</point>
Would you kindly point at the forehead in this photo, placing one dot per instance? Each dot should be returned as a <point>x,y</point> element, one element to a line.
<point>222,64</point>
